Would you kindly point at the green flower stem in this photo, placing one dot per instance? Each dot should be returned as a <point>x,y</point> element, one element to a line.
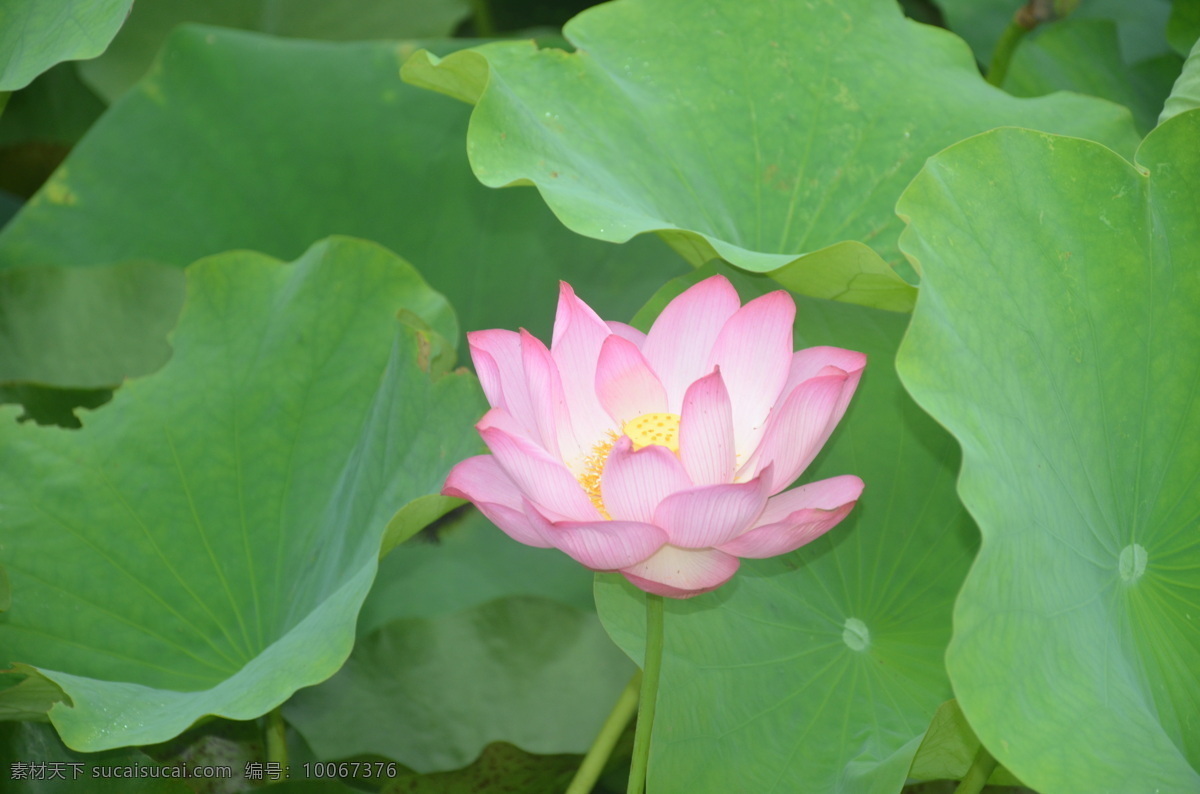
<point>649,697</point>
<point>597,755</point>
<point>1002,55</point>
<point>977,776</point>
<point>276,737</point>
<point>485,28</point>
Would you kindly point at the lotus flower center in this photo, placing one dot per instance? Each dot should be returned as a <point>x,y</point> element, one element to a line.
<point>648,429</point>
<point>644,431</point>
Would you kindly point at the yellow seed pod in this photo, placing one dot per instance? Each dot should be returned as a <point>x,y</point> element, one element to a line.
<point>660,429</point>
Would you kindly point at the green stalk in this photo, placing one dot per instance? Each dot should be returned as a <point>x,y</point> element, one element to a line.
<point>485,28</point>
<point>977,776</point>
<point>277,737</point>
<point>1002,55</point>
<point>649,697</point>
<point>597,755</point>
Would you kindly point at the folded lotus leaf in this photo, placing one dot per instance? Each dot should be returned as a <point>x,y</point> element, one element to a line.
<point>203,544</point>
<point>763,133</point>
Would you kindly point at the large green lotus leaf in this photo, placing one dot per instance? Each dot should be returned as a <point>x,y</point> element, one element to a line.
<point>1055,336</point>
<point>203,545</point>
<point>820,670</point>
<point>754,132</point>
<point>432,693</point>
<point>1083,55</point>
<point>35,35</point>
<point>469,562</point>
<point>1141,24</point>
<point>150,22</point>
<point>1185,94</point>
<point>86,327</point>
<point>240,140</point>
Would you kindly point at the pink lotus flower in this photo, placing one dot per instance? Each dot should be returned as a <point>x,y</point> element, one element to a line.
<point>660,455</point>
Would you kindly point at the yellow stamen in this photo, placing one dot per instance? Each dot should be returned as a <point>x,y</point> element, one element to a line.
<point>644,431</point>
<point>593,467</point>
